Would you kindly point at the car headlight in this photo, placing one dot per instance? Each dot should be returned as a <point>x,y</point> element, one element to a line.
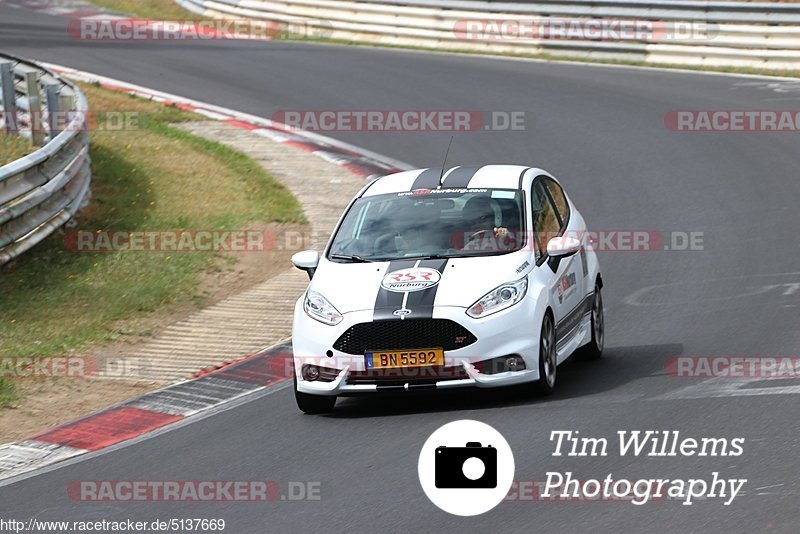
<point>317,307</point>
<point>499,298</point>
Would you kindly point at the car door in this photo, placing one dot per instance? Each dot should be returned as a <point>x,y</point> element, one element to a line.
<point>550,213</point>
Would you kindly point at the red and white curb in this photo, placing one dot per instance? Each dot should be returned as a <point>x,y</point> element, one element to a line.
<point>173,404</point>
<point>357,160</point>
<point>149,412</point>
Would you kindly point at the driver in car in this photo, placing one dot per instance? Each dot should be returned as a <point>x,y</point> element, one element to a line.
<point>479,216</point>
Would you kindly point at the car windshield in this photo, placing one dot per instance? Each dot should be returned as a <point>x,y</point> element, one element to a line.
<point>431,223</point>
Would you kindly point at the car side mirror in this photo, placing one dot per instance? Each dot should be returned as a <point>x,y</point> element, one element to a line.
<point>559,248</point>
<point>306,260</point>
<point>562,247</point>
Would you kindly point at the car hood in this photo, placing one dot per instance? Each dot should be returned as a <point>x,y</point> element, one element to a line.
<point>415,285</point>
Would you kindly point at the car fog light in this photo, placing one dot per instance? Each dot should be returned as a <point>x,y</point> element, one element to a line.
<point>501,364</point>
<point>310,372</point>
<point>515,363</point>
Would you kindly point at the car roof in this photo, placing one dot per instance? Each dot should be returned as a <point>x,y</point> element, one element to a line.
<point>477,177</point>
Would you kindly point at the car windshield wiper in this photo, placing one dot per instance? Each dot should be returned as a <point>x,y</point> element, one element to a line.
<point>427,257</point>
<point>353,258</point>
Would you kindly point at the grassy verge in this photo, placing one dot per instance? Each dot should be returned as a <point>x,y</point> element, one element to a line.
<point>152,177</point>
<point>13,147</point>
<point>147,9</point>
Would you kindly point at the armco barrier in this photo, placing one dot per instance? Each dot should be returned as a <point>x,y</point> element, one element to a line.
<point>43,190</point>
<point>706,34</point>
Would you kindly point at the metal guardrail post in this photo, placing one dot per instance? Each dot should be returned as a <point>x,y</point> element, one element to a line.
<point>9,98</point>
<point>55,118</point>
<point>66,103</point>
<point>67,98</point>
<point>35,108</point>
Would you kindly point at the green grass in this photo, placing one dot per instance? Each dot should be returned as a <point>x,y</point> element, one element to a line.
<point>148,9</point>
<point>8,396</point>
<point>13,147</point>
<point>56,301</point>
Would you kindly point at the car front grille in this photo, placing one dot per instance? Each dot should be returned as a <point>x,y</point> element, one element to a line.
<point>404,334</point>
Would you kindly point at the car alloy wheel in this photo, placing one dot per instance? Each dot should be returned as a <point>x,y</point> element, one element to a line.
<point>548,363</point>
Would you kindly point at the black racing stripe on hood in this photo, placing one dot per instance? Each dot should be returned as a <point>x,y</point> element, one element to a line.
<point>386,302</point>
<point>427,179</point>
<point>460,177</point>
<point>421,302</point>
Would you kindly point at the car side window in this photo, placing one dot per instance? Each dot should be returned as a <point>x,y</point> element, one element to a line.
<point>546,224</point>
<point>559,199</point>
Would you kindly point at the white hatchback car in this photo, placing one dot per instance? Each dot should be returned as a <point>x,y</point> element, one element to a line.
<point>477,276</point>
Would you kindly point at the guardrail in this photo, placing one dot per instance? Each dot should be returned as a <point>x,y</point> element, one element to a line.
<point>43,190</point>
<point>706,34</point>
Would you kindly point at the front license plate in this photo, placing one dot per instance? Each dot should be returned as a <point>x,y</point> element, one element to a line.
<point>393,359</point>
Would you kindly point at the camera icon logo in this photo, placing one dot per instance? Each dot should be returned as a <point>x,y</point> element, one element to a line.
<point>472,466</point>
<point>466,467</point>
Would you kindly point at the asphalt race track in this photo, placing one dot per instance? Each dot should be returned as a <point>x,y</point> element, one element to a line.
<point>601,131</point>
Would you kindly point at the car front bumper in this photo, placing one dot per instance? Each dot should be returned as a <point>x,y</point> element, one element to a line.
<point>513,331</point>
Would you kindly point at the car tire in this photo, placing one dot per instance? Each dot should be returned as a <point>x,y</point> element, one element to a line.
<point>594,349</point>
<point>313,404</point>
<point>547,357</point>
